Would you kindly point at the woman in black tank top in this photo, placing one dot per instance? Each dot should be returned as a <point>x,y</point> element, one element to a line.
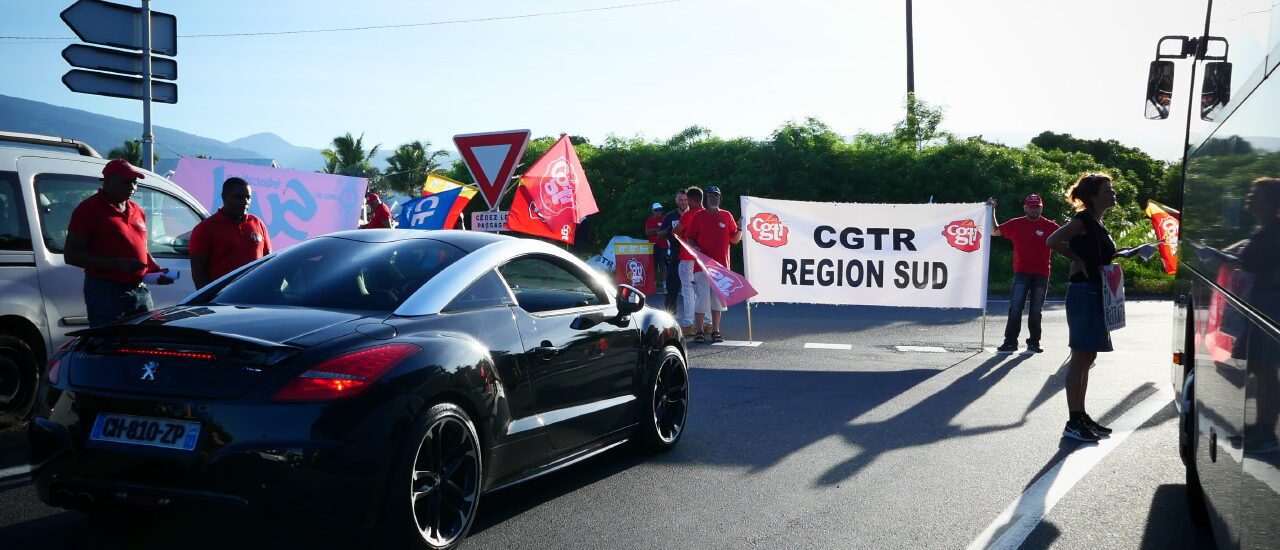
<point>1089,246</point>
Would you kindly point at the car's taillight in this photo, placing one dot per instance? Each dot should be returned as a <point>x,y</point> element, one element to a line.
<point>166,353</point>
<point>55,370</point>
<point>345,375</point>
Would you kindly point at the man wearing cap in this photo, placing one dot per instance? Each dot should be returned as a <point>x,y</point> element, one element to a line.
<point>380,218</point>
<point>688,267</point>
<point>1030,269</point>
<point>107,237</point>
<point>230,238</point>
<point>651,226</point>
<point>711,232</point>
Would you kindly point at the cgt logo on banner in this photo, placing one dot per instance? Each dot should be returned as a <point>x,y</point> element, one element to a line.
<point>916,255</point>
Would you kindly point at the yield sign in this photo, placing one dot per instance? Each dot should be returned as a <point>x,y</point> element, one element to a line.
<point>492,158</point>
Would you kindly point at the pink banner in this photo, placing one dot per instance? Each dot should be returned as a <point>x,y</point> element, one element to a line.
<point>729,286</point>
<point>293,205</point>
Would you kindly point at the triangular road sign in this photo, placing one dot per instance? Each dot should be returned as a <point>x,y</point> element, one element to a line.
<point>492,158</point>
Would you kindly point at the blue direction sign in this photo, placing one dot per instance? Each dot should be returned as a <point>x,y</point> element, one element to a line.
<point>89,82</point>
<point>107,59</point>
<point>121,26</point>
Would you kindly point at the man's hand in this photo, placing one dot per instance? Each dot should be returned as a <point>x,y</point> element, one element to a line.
<point>991,201</point>
<point>164,280</point>
<point>1077,266</point>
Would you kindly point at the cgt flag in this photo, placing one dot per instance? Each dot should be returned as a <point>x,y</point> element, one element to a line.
<point>553,196</point>
<point>1166,222</point>
<point>440,185</point>
<point>729,286</point>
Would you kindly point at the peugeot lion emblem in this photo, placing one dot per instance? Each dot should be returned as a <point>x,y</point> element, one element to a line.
<point>149,370</point>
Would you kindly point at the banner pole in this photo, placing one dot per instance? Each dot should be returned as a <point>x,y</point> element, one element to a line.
<point>983,345</point>
<point>986,271</point>
<point>750,336</point>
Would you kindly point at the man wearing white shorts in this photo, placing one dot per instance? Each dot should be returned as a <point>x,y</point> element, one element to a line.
<point>712,232</point>
<point>688,286</point>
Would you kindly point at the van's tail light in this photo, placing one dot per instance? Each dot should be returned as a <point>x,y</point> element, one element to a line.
<point>345,375</point>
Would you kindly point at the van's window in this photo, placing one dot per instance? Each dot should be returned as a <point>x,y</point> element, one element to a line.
<point>57,196</point>
<point>169,222</point>
<point>15,234</point>
<point>541,284</point>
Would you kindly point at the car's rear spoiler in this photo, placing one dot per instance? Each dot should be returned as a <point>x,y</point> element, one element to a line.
<point>124,332</point>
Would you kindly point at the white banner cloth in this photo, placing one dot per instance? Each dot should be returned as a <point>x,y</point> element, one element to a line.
<point>912,255</point>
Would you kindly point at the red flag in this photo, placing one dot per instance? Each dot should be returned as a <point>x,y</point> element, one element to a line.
<point>729,286</point>
<point>1166,222</point>
<point>553,196</point>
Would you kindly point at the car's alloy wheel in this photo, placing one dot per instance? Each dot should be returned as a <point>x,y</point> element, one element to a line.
<point>445,481</point>
<point>19,375</point>
<point>670,399</point>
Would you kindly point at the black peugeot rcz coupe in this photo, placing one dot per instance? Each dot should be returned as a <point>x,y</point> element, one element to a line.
<point>394,376</point>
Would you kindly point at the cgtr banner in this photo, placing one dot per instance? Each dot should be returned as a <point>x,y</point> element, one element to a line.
<point>916,255</point>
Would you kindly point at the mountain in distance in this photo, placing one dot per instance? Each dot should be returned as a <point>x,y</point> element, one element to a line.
<point>285,153</point>
<point>105,133</point>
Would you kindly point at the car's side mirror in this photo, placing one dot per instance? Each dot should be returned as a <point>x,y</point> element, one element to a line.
<point>1159,90</point>
<point>1215,93</point>
<point>630,300</point>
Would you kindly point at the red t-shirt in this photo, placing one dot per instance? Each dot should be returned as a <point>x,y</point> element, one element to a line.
<point>686,220</point>
<point>229,244</point>
<point>381,218</point>
<point>711,232</point>
<point>113,234</point>
<point>652,223</point>
<point>1030,253</point>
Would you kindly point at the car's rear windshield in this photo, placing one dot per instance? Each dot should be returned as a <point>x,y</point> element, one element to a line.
<point>336,273</point>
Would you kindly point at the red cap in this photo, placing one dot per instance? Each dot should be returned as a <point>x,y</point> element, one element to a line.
<point>371,196</point>
<point>1034,200</point>
<point>121,168</point>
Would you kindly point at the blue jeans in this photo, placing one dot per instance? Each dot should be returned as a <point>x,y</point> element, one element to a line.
<point>1025,286</point>
<point>109,301</point>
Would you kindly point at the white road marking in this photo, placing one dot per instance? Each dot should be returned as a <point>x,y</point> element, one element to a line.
<point>14,471</point>
<point>811,345</point>
<point>1011,527</point>
<point>738,344</point>
<point>922,349</point>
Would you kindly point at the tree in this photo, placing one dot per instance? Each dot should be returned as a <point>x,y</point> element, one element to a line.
<point>347,156</point>
<point>409,166</point>
<point>920,125</point>
<point>130,150</point>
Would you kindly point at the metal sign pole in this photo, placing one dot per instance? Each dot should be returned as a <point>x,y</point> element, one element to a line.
<point>148,141</point>
<point>750,336</point>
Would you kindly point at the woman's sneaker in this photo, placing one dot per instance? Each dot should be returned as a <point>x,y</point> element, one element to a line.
<point>1095,427</point>
<point>1076,429</point>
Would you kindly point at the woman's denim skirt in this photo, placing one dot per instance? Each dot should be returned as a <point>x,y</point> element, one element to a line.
<point>1085,319</point>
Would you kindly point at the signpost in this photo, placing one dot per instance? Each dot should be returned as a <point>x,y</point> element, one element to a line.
<point>492,158</point>
<point>121,26</point>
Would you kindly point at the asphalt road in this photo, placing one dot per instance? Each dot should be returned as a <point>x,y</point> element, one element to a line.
<point>793,447</point>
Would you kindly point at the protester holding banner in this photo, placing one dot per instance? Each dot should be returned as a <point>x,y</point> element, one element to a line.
<point>688,267</point>
<point>1030,269</point>
<point>711,233</point>
<point>652,224</point>
<point>380,217</point>
<point>674,303</point>
<point>1089,246</point>
<point>230,238</point>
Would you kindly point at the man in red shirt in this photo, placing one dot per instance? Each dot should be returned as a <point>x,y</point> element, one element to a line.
<point>712,232</point>
<point>107,237</point>
<point>688,290</point>
<point>380,216</point>
<point>230,238</point>
<point>652,225</point>
<point>1030,269</point>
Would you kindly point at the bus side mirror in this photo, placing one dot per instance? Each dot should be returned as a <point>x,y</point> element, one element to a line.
<point>1215,93</point>
<point>1159,90</point>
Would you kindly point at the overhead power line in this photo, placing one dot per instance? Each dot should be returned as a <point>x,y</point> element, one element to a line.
<point>381,27</point>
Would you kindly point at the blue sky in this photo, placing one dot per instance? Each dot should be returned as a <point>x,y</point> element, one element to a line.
<point>1003,69</point>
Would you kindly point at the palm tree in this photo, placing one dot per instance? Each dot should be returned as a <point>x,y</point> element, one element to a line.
<point>408,167</point>
<point>346,156</point>
<point>130,150</point>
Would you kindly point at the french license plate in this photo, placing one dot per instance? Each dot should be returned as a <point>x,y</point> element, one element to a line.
<point>141,430</point>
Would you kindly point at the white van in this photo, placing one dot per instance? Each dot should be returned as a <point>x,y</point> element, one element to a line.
<point>42,179</point>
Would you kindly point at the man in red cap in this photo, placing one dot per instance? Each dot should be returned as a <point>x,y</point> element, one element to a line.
<point>107,237</point>
<point>230,238</point>
<point>380,218</point>
<point>1030,269</point>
